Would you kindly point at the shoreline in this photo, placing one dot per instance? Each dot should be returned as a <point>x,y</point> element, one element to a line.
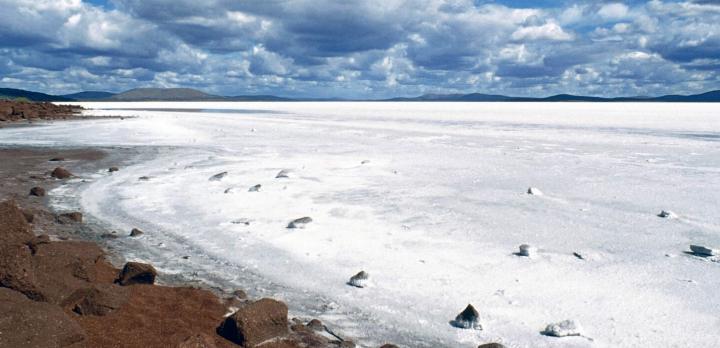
<point>29,167</point>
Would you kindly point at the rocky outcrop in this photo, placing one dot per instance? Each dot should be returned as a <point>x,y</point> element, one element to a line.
<point>28,111</point>
<point>27,323</point>
<point>37,191</point>
<point>256,323</point>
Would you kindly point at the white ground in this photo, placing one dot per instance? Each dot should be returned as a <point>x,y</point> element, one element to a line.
<point>436,214</point>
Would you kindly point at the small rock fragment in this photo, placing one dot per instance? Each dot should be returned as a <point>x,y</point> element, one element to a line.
<point>218,176</point>
<point>60,173</point>
<point>245,222</point>
<point>37,191</point>
<point>71,217</point>
<point>365,162</point>
<point>285,173</point>
<point>667,214</point>
<point>527,250</point>
<point>137,273</point>
<point>360,280</point>
<point>255,188</point>
<point>491,345</point>
<point>300,223</point>
<point>113,169</point>
<point>469,318</point>
<point>144,178</point>
<point>389,345</point>
<point>136,232</point>
<point>57,159</point>
<point>700,250</point>
<point>534,191</point>
<point>579,256</point>
<point>563,329</point>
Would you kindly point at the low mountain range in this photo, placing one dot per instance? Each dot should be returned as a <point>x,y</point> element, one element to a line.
<point>188,94</point>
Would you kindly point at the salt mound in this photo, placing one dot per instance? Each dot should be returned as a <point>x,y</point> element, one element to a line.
<point>218,176</point>
<point>667,214</point>
<point>700,250</point>
<point>534,191</point>
<point>469,318</point>
<point>563,329</point>
<point>527,250</point>
<point>300,223</point>
<point>360,280</point>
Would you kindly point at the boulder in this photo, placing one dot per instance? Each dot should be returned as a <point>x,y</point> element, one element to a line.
<point>469,318</point>
<point>300,223</point>
<point>60,173</point>
<point>360,280</point>
<point>563,329</point>
<point>26,323</point>
<point>14,228</point>
<point>17,273</point>
<point>99,300</point>
<point>316,325</point>
<point>137,273</point>
<point>256,323</point>
<point>113,169</point>
<point>37,191</point>
<point>136,232</point>
<point>255,188</point>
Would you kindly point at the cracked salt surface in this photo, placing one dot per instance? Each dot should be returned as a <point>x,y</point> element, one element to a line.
<point>445,186</point>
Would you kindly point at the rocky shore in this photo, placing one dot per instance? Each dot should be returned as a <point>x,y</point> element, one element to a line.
<point>12,111</point>
<point>59,291</point>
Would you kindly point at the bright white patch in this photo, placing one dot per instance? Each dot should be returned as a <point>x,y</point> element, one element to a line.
<point>548,31</point>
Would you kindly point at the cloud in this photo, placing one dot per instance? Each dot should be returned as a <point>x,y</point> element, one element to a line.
<point>374,48</point>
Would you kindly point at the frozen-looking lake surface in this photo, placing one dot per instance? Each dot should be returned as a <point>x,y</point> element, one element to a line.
<point>434,214</point>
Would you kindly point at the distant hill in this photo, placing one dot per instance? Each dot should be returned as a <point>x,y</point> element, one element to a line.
<point>12,93</point>
<point>163,94</point>
<point>89,95</point>
<point>713,96</point>
<point>257,98</point>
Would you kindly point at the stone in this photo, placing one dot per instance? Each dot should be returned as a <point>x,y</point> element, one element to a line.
<point>469,318</point>
<point>389,345</point>
<point>563,329</point>
<point>113,169</point>
<point>360,280</point>
<point>666,214</point>
<point>14,228</point>
<point>70,217</point>
<point>144,178</point>
<point>700,250</point>
<point>218,176</point>
<point>255,188</point>
<point>526,250</point>
<point>60,173</point>
<point>534,191</point>
<point>491,345</point>
<point>137,273</point>
<point>300,223</point>
<point>316,325</point>
<point>285,173</point>
<point>256,323</point>
<point>57,159</point>
<point>37,191</point>
<point>136,232</point>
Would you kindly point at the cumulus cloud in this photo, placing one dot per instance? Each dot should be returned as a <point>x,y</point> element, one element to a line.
<point>374,48</point>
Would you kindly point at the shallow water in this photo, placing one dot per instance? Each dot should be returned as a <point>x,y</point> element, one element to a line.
<point>435,215</point>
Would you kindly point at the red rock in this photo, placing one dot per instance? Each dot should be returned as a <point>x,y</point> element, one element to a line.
<point>16,271</point>
<point>388,345</point>
<point>256,323</point>
<point>316,325</point>
<point>37,191</point>
<point>61,173</point>
<point>137,273</point>
<point>26,323</point>
<point>14,228</point>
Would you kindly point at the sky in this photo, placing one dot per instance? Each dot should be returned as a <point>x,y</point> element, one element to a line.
<point>362,49</point>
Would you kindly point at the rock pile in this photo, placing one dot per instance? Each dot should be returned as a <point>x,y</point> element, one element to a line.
<point>19,111</point>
